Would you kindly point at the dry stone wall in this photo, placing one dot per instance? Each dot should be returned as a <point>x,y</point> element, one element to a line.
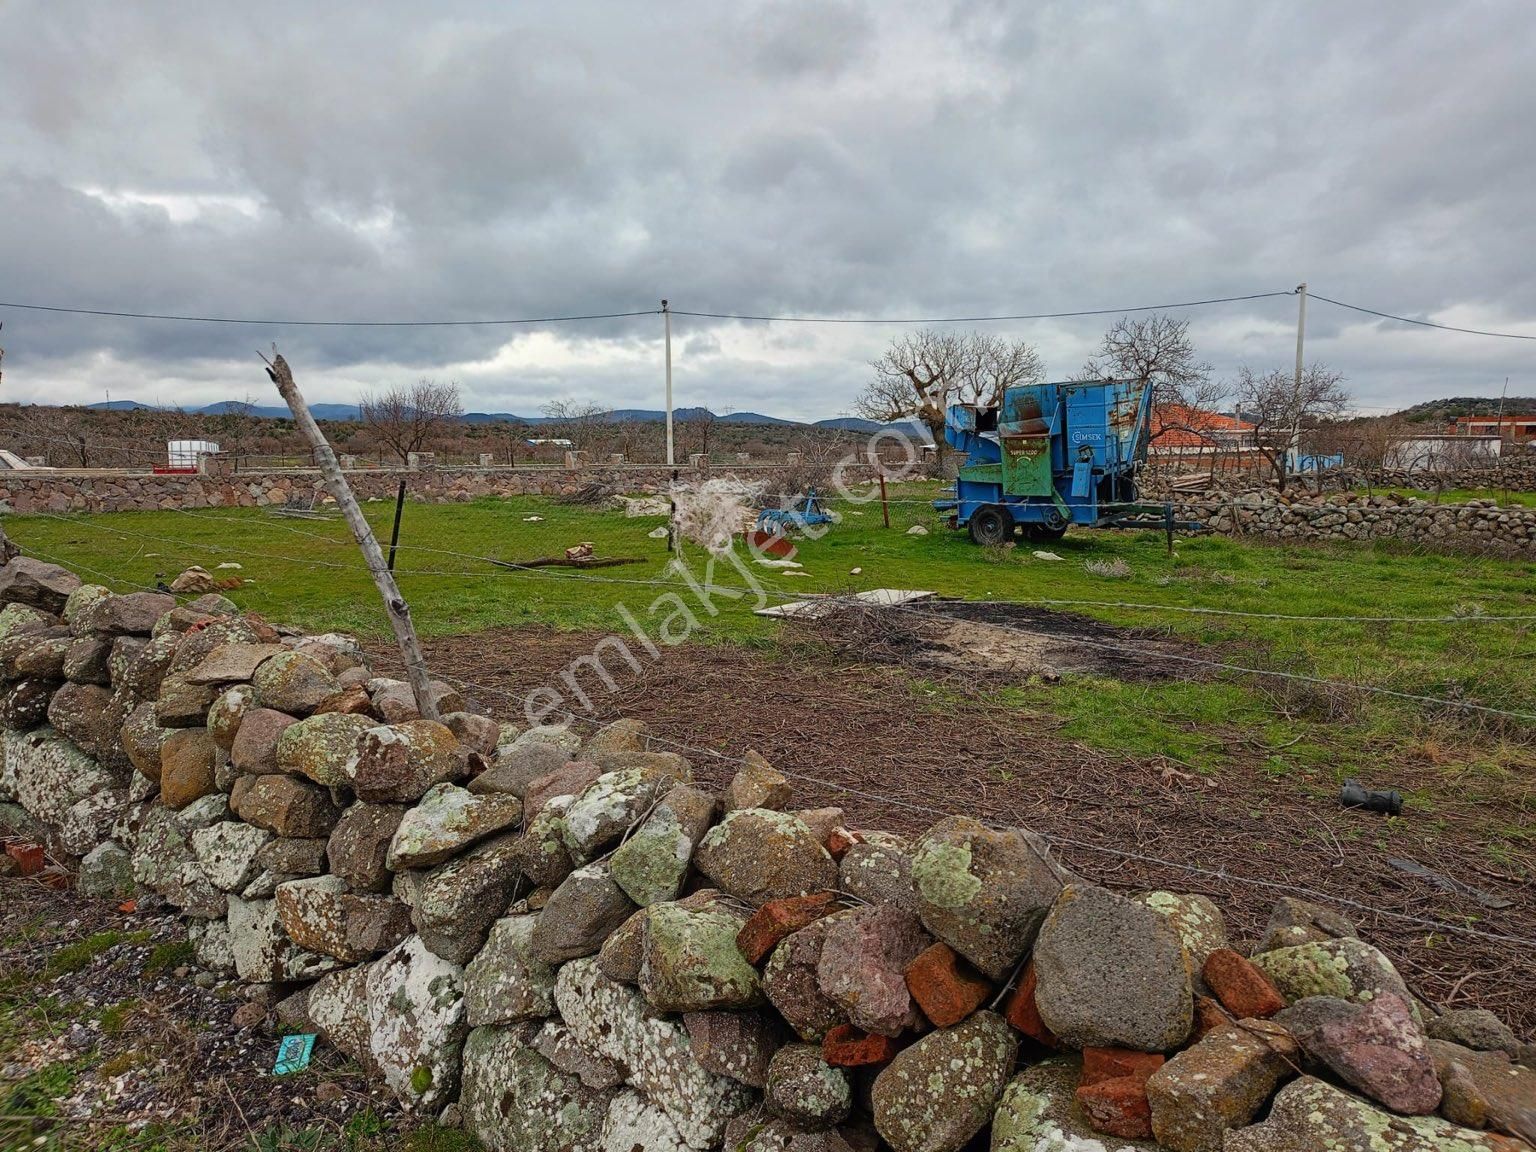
<point>562,941</point>
<point>112,491</point>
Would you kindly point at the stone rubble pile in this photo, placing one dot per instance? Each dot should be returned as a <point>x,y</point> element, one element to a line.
<point>567,943</point>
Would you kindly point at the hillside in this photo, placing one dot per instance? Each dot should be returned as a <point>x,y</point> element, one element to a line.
<point>1446,410</point>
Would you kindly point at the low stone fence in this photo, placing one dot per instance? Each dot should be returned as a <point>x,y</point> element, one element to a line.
<point>1480,526</point>
<point>114,491</point>
<point>561,941</point>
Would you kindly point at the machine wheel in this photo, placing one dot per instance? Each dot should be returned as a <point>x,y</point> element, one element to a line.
<point>1044,533</point>
<point>991,524</point>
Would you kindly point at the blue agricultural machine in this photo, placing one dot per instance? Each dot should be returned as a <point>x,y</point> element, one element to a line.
<point>1050,456</point>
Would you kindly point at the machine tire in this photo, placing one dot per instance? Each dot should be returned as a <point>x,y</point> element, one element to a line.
<point>1043,534</point>
<point>991,524</point>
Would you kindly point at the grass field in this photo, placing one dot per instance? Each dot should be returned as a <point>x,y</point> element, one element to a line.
<point>309,573</point>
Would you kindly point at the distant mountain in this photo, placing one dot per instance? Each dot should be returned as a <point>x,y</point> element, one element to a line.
<point>618,415</point>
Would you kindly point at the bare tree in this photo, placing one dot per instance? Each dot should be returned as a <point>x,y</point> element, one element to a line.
<point>583,423</point>
<point>922,373</point>
<point>407,418</point>
<point>63,434</point>
<point>697,428</point>
<point>1280,406</point>
<point>1156,350</point>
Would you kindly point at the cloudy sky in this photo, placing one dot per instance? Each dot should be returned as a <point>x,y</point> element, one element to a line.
<point>466,161</point>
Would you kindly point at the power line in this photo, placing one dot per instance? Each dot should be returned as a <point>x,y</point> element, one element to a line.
<point>331,323</point>
<point>980,319</point>
<point>1421,323</point>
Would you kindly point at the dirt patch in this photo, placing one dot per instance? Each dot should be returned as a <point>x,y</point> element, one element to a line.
<point>896,753</point>
<point>1008,641</point>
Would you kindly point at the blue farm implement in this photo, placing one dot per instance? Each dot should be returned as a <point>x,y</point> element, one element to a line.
<point>1050,456</point>
<point>801,514</point>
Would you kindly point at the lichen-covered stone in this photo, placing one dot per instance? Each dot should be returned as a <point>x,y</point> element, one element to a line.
<point>505,983</point>
<point>86,661</point>
<point>1197,920</point>
<point>359,845</point>
<point>617,738</point>
<point>633,1122</point>
<point>416,1024</point>
<point>579,915</point>
<point>1295,921</point>
<point>106,872</point>
<point>447,820</point>
<point>287,806</point>
<point>397,764</point>
<point>1310,1114</point>
<point>1346,967</point>
<point>228,853</point>
<point>182,704</point>
<point>879,874</point>
<point>758,855</point>
<point>338,1007</point>
<point>49,773</point>
<point>321,747</point>
<point>757,784</point>
<point>558,1044</point>
<point>81,713</point>
<point>1475,1028</point>
<point>292,682</point>
<point>454,904</point>
<point>690,962</point>
<point>44,657</point>
<point>863,963</point>
<point>147,670</point>
<point>791,985</point>
<point>37,584</point>
<point>1111,972</point>
<point>229,663</point>
<point>81,599</point>
<point>263,953</point>
<point>1377,1048</point>
<point>805,1090</point>
<point>293,856</point>
<point>187,759</point>
<point>254,747</point>
<point>479,734</point>
<point>226,713</point>
<point>318,913</point>
<point>1486,1090</point>
<point>24,704</point>
<point>937,1094</point>
<point>541,851</point>
<point>141,738</point>
<point>608,808</point>
<point>1039,1112</point>
<point>650,866</point>
<point>514,1100</point>
<point>739,1045</point>
<point>982,892</point>
<point>1218,1084</point>
<point>89,820</point>
<point>614,1021</point>
<point>535,753</point>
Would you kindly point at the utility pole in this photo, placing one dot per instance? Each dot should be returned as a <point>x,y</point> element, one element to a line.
<point>398,610</point>
<point>666,320</point>
<point>1293,456</point>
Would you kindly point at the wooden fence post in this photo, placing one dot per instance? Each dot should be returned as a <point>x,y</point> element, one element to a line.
<point>398,611</point>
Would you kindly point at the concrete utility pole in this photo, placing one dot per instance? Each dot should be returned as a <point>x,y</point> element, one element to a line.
<point>666,319</point>
<point>398,611</point>
<point>1294,454</point>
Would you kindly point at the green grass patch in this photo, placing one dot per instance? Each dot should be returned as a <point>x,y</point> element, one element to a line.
<point>309,573</point>
<point>79,954</point>
<point>169,956</point>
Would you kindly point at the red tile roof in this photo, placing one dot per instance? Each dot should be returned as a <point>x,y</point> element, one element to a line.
<point>1175,426</point>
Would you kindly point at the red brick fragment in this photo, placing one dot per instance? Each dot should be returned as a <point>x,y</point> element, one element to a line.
<point>1241,986</point>
<point>1100,1064</point>
<point>1020,1011</point>
<point>1209,1016</point>
<point>847,1047</point>
<point>945,987</point>
<point>1118,1107</point>
<point>840,841</point>
<point>30,858</point>
<point>777,919</point>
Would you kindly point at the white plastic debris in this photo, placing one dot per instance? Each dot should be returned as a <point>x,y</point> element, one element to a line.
<point>532,519</point>
<point>770,562</point>
<point>854,571</point>
<point>230,564</point>
<point>658,533</point>
<point>1040,554</point>
<point>917,530</point>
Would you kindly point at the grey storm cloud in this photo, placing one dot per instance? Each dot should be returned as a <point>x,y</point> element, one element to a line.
<point>464,160</point>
